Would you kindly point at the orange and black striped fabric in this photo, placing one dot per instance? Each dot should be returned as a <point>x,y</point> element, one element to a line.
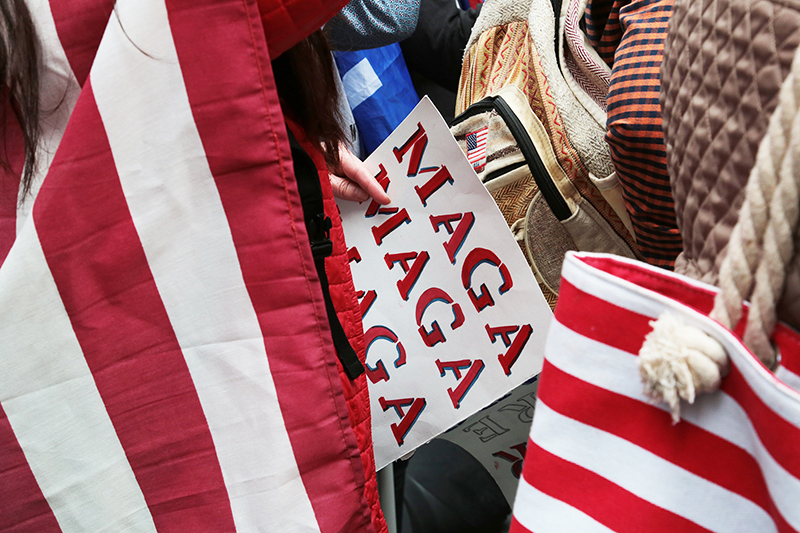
<point>629,36</point>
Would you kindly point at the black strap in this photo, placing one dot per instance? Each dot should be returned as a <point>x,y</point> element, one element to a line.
<point>318,227</point>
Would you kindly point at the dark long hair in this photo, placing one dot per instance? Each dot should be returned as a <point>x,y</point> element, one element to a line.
<point>19,68</point>
<point>306,82</point>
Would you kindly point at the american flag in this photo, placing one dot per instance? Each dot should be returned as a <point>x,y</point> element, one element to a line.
<point>476,147</point>
<point>602,457</point>
<point>165,360</point>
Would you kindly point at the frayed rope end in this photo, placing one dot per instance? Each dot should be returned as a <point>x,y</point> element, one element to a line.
<point>678,361</point>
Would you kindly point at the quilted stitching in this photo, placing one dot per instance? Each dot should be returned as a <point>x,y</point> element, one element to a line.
<point>723,66</point>
<point>343,296</point>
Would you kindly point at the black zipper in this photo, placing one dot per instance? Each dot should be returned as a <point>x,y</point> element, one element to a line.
<point>505,170</point>
<point>549,189</point>
<point>481,106</point>
<point>540,174</point>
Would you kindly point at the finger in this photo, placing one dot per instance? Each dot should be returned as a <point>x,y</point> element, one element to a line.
<point>354,169</point>
<point>347,190</point>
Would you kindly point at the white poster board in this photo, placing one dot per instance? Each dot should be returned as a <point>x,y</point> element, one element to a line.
<point>497,436</point>
<point>453,316</point>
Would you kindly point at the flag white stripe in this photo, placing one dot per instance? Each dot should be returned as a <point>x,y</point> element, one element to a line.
<point>178,214</point>
<point>540,513</point>
<point>630,467</point>
<point>718,413</point>
<point>54,407</point>
<point>778,396</point>
<point>788,377</point>
<point>58,94</point>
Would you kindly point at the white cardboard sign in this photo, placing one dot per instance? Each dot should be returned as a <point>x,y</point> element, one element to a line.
<point>453,316</point>
<point>497,436</point>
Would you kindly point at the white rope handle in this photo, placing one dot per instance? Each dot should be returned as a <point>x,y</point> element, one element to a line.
<point>675,361</point>
<point>762,242</point>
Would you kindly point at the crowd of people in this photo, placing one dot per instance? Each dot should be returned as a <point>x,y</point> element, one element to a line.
<point>51,72</point>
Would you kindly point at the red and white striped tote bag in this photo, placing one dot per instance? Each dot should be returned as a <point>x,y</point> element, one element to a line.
<point>601,457</point>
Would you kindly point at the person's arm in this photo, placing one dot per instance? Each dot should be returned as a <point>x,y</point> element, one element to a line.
<point>372,23</point>
<point>288,22</point>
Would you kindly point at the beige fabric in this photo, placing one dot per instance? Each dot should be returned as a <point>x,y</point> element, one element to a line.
<point>584,132</point>
<point>724,63</point>
<point>761,247</point>
<point>497,13</point>
<point>546,242</point>
<point>542,237</point>
<point>587,75</point>
<point>611,189</point>
<point>591,233</point>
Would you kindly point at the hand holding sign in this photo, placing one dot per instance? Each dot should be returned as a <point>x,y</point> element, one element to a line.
<point>352,181</point>
<point>453,316</point>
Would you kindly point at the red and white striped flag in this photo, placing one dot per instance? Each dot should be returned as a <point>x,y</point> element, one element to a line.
<point>602,458</point>
<point>165,362</point>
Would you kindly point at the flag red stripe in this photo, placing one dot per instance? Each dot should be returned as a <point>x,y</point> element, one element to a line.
<point>789,342</point>
<point>23,507</point>
<point>698,298</point>
<point>652,429</point>
<point>598,497</point>
<point>80,25</point>
<point>599,320</point>
<point>516,527</point>
<point>94,253</point>
<point>243,133</point>
<point>779,437</point>
<point>14,156</point>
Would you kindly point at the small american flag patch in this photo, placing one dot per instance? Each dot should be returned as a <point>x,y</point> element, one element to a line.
<point>476,147</point>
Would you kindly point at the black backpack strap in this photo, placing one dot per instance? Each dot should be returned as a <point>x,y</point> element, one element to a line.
<point>318,227</point>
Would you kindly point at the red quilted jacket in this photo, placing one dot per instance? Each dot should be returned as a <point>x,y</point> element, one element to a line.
<point>278,15</point>
<point>344,299</point>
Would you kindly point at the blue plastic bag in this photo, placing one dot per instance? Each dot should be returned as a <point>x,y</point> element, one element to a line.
<point>379,90</point>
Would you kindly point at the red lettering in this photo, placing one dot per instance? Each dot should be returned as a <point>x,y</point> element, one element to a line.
<point>454,366</point>
<point>474,259</point>
<point>417,142</point>
<point>515,347</point>
<point>459,234</point>
<point>380,232</point>
<point>503,332</point>
<point>374,207</point>
<point>465,384</point>
<point>365,300</point>
<point>413,271</point>
<point>407,419</point>
<point>434,184</point>
<point>435,336</point>
<point>403,258</point>
<point>378,372</point>
<point>515,460</point>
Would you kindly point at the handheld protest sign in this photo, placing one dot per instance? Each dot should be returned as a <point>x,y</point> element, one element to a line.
<point>453,316</point>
